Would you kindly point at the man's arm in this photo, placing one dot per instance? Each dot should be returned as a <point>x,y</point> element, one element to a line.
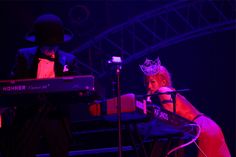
<point>19,69</point>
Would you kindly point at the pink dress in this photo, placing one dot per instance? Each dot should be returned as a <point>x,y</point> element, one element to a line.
<point>211,140</point>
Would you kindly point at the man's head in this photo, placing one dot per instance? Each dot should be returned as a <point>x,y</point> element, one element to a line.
<point>156,75</point>
<point>48,30</point>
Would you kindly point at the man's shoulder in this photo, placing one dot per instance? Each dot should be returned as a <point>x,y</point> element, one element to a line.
<point>28,50</point>
<point>66,54</point>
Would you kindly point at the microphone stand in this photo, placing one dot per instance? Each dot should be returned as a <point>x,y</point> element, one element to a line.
<point>118,68</point>
<point>173,96</point>
<point>118,62</point>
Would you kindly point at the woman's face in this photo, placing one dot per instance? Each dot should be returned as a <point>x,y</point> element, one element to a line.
<point>153,84</point>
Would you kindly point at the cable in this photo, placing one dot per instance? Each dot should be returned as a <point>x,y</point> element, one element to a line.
<point>188,143</point>
<point>200,149</point>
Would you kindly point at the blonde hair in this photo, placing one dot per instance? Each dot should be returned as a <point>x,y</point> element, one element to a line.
<point>163,74</point>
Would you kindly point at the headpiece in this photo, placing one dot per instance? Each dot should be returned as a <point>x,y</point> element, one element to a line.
<point>150,67</point>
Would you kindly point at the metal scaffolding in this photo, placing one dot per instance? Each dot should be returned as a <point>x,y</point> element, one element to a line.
<point>159,28</point>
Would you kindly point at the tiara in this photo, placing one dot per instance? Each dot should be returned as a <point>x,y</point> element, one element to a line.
<point>150,67</point>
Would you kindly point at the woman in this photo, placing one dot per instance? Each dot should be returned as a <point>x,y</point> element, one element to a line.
<point>211,141</point>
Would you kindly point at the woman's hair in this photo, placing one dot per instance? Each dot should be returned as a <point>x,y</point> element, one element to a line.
<point>163,74</point>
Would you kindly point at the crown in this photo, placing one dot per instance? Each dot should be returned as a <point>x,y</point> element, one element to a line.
<point>150,67</point>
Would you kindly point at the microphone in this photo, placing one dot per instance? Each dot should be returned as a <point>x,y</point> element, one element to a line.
<point>169,92</point>
<point>159,93</point>
<point>115,60</point>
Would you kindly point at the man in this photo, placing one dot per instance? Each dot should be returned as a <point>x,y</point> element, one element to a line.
<point>211,141</point>
<point>42,115</point>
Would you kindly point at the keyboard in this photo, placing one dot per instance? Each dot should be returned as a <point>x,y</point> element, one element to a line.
<point>50,85</point>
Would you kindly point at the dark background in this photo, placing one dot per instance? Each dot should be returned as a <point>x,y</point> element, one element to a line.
<point>206,64</point>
